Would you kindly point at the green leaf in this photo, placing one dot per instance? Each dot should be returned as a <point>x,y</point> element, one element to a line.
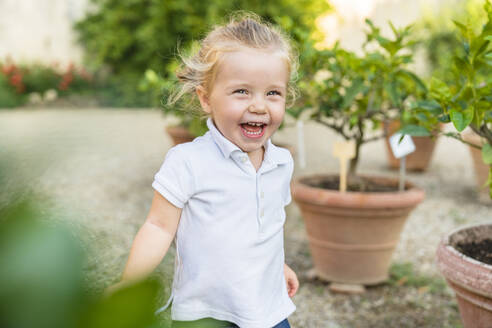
<point>487,153</point>
<point>350,93</point>
<point>461,26</point>
<point>414,130</point>
<point>395,31</point>
<point>369,22</point>
<point>392,92</point>
<point>422,117</point>
<point>482,48</point>
<point>462,64</point>
<point>461,119</point>
<point>457,119</point>
<point>430,106</point>
<point>415,78</point>
<point>128,307</point>
<point>439,89</point>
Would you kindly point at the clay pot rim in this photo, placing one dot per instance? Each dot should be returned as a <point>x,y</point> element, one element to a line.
<point>176,128</point>
<point>408,198</point>
<point>446,243</point>
<point>462,270</point>
<point>388,123</point>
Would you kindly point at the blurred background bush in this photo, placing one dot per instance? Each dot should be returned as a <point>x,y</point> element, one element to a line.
<point>121,40</point>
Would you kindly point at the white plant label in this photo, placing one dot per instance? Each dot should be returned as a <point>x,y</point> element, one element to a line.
<point>301,155</point>
<point>344,150</point>
<point>403,148</point>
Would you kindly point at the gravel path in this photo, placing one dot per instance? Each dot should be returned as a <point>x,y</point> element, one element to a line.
<point>96,167</point>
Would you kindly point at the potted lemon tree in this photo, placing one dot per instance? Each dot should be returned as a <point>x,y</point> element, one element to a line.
<point>190,124</point>
<point>464,256</point>
<point>464,99</point>
<point>352,234</point>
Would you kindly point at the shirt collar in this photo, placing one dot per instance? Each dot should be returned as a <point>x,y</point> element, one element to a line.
<point>272,152</point>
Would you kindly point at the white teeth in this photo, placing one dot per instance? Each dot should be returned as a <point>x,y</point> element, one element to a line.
<point>255,124</point>
<point>253,133</point>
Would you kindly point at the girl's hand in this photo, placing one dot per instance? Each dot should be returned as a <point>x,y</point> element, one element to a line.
<point>114,288</point>
<point>291,279</point>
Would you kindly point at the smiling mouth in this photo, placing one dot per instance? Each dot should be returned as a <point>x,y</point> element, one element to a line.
<point>251,129</point>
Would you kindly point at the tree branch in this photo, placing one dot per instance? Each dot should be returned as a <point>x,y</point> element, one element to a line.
<point>486,132</point>
<point>337,128</point>
<point>374,138</point>
<point>475,129</point>
<point>458,137</point>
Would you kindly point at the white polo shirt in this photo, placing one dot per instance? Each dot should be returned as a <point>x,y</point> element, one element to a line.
<point>230,242</point>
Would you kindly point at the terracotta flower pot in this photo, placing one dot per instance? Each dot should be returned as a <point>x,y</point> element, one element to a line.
<point>352,235</point>
<point>179,134</point>
<point>481,169</point>
<point>420,159</point>
<point>470,279</point>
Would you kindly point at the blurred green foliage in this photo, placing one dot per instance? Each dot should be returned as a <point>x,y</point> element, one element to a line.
<point>39,78</point>
<point>112,90</point>
<point>352,94</point>
<point>38,83</point>
<point>20,83</point>
<point>159,88</point>
<point>437,33</point>
<point>131,36</point>
<point>42,279</point>
<point>465,98</point>
<point>9,97</point>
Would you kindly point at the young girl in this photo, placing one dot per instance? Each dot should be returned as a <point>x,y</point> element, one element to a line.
<point>223,195</point>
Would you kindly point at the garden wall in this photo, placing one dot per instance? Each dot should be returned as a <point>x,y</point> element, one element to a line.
<point>33,30</point>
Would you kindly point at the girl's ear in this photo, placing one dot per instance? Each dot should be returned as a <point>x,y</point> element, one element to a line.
<point>203,97</point>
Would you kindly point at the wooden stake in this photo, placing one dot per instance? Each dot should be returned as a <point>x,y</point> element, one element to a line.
<point>344,151</point>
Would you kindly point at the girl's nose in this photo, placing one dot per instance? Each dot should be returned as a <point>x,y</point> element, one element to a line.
<point>258,106</point>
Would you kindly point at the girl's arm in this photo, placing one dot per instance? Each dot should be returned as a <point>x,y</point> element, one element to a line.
<point>152,241</point>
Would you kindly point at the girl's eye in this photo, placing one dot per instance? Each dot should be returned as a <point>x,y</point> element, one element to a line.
<point>274,93</point>
<point>241,91</point>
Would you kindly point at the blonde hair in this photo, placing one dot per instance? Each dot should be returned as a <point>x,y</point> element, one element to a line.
<point>243,30</point>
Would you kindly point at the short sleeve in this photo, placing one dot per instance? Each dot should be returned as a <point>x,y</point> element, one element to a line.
<point>287,195</point>
<point>174,180</point>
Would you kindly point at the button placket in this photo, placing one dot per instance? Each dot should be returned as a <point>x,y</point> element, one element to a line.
<point>261,211</point>
<point>241,160</point>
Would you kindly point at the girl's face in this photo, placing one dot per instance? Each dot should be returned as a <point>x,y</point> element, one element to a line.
<point>250,87</point>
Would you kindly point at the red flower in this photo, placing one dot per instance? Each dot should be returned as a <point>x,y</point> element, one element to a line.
<point>67,78</point>
<point>16,81</point>
<point>8,69</point>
